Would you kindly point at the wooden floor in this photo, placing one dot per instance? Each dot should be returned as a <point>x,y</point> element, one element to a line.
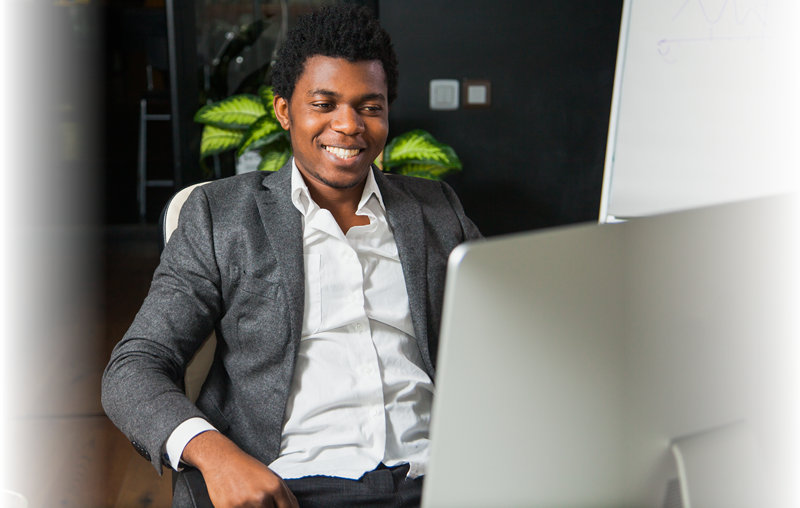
<point>60,450</point>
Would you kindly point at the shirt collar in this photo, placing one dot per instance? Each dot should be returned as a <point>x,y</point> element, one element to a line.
<point>301,198</point>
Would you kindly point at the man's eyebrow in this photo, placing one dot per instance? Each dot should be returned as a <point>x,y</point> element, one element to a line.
<point>373,97</point>
<point>322,91</point>
<point>336,95</point>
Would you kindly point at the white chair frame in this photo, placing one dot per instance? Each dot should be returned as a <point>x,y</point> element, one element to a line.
<point>198,367</point>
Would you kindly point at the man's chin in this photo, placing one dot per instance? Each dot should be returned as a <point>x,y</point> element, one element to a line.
<point>341,184</point>
<point>342,181</point>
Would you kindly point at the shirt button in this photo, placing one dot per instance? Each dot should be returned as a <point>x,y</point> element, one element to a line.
<point>374,412</point>
<point>367,370</point>
<point>353,297</point>
<point>350,254</point>
<point>359,327</point>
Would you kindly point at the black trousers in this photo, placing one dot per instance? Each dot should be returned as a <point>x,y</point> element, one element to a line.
<point>382,488</point>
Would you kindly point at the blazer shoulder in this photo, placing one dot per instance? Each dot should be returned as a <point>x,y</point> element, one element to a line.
<point>421,188</point>
<point>438,201</point>
<point>411,181</point>
<point>232,186</point>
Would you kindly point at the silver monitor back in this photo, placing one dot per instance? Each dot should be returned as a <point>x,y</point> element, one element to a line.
<point>635,364</point>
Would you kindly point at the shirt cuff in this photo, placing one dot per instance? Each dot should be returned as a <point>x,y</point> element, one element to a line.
<point>181,436</point>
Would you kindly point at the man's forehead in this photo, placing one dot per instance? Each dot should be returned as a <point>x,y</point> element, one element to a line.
<point>335,77</point>
<point>374,66</point>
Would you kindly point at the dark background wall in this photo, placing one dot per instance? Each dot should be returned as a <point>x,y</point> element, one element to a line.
<point>72,80</point>
<point>534,158</point>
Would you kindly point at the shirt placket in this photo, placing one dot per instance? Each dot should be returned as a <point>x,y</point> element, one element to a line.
<point>345,297</point>
<point>368,369</point>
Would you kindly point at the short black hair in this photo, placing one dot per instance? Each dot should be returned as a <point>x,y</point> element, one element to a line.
<point>338,31</point>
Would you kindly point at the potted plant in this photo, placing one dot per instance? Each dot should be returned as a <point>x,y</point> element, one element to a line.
<point>247,123</point>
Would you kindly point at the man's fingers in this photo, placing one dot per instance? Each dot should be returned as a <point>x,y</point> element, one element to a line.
<point>285,499</point>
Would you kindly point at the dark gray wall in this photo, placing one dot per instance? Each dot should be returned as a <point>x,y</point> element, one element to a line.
<point>534,158</point>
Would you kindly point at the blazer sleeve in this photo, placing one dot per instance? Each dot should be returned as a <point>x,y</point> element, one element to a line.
<point>140,391</point>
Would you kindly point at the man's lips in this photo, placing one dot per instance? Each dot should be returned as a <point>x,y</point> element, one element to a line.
<point>343,153</point>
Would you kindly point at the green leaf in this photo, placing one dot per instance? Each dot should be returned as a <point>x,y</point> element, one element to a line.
<point>277,141</point>
<point>235,112</point>
<point>419,147</point>
<point>429,171</point>
<point>256,136</point>
<point>216,140</point>
<point>272,160</point>
<point>267,97</point>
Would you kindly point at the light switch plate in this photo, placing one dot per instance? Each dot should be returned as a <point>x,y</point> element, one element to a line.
<point>444,94</point>
<point>477,93</point>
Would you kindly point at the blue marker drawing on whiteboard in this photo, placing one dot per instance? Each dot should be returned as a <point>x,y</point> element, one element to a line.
<point>698,21</point>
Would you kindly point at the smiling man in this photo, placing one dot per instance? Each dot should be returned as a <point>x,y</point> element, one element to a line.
<point>324,283</point>
<point>338,120</point>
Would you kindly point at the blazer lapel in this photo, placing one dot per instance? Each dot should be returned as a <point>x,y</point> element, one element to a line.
<point>284,228</point>
<point>405,218</point>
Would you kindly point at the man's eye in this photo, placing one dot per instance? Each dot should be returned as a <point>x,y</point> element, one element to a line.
<point>322,105</point>
<point>372,109</point>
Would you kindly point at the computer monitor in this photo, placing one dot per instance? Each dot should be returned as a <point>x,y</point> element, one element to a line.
<point>652,363</point>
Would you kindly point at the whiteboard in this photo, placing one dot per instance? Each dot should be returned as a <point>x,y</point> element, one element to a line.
<point>705,108</point>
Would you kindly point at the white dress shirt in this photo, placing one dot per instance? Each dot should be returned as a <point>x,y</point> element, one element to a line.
<point>360,394</point>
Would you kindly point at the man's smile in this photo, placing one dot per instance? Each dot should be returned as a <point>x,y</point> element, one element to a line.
<point>338,121</point>
<point>342,153</point>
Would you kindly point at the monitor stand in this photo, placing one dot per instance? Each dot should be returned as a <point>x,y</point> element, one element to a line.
<point>722,467</point>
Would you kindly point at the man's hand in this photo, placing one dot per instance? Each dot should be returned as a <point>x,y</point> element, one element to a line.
<point>234,478</point>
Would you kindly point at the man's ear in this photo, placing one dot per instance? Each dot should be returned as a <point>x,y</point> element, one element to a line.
<point>281,107</point>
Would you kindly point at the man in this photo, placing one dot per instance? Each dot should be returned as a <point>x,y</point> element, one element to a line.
<point>324,283</point>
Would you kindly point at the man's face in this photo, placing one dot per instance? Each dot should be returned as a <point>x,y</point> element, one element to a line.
<point>338,120</point>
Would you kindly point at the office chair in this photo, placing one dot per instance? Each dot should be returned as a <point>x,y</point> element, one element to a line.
<point>198,367</point>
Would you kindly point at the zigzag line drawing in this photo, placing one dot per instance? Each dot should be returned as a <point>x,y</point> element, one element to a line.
<point>664,45</point>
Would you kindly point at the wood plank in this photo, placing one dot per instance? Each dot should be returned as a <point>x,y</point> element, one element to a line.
<point>142,487</point>
<point>126,277</point>
<point>74,385</point>
<point>116,298</point>
<point>93,471</point>
<point>24,380</point>
<point>34,455</point>
<point>65,305</point>
<point>60,377</point>
<point>58,346</point>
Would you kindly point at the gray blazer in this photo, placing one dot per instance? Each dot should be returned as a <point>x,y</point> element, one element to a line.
<point>235,265</point>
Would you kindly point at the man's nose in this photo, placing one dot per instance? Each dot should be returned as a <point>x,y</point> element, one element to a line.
<point>347,121</point>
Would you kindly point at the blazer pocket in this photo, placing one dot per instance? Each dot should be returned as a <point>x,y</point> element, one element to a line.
<point>259,287</point>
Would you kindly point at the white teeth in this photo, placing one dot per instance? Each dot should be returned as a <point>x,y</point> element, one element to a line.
<point>342,152</point>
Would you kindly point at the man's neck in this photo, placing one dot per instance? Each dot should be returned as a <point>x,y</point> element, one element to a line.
<point>342,203</point>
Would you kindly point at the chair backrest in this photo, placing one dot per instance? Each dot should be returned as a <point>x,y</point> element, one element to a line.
<point>198,367</point>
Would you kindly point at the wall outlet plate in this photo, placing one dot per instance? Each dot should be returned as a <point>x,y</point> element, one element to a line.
<point>444,94</point>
